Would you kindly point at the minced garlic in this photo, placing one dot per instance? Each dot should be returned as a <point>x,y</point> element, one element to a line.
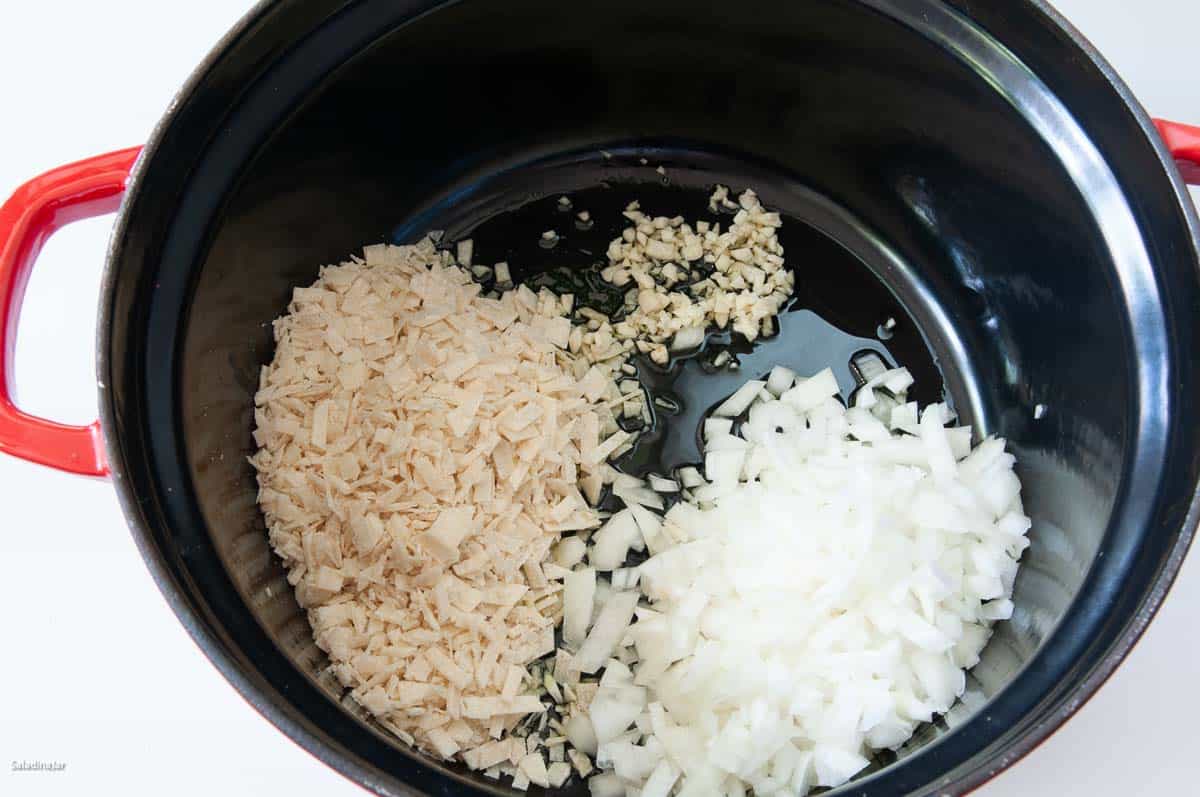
<point>744,283</point>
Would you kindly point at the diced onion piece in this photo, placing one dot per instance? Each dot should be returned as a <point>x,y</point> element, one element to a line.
<point>616,674</point>
<point>960,441</point>
<point>568,552</point>
<point>661,780</point>
<point>607,631</point>
<point>717,427</point>
<point>613,710</point>
<point>611,543</point>
<point>809,393</point>
<point>723,467</point>
<point>726,442</point>
<point>740,401</point>
<point>578,730</point>
<point>876,531</point>
<point>649,524</point>
<point>625,578</point>
<point>606,784</point>
<point>897,380</point>
<point>836,765</point>
<point>579,594</point>
<point>603,591</point>
<point>997,610</point>
<point>779,380</point>
<point>905,418</point>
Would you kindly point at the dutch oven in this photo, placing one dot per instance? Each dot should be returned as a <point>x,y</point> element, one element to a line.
<point>974,169</point>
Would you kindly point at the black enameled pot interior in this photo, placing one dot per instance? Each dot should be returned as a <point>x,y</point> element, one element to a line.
<point>1000,201</point>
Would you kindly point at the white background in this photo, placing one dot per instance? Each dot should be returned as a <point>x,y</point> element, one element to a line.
<point>94,669</point>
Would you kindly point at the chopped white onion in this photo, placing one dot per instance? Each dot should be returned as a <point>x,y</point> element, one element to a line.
<point>810,393</point>
<point>578,730</point>
<point>649,525</point>
<point>569,552</point>
<point>819,598</point>
<point>717,427</point>
<point>579,595</point>
<point>611,542</point>
<point>740,401</point>
<point>779,380</point>
<point>606,631</point>
<point>625,578</point>
<point>605,784</point>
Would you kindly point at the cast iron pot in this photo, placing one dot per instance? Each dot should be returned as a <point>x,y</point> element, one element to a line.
<point>973,169</point>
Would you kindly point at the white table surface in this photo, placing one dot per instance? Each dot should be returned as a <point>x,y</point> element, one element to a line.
<point>96,672</point>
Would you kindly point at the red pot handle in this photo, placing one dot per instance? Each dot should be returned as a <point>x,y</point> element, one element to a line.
<point>1184,143</point>
<point>91,187</point>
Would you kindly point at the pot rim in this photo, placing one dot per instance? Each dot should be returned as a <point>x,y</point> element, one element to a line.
<point>363,774</point>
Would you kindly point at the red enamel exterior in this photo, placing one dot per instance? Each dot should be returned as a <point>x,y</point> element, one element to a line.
<point>1184,143</point>
<point>91,187</point>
